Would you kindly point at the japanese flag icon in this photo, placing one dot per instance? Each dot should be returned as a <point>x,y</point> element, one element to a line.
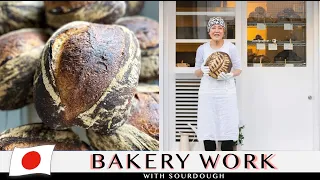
<point>32,160</point>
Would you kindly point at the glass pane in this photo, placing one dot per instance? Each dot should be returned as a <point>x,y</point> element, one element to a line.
<point>195,27</point>
<point>205,6</point>
<point>186,54</point>
<point>276,33</point>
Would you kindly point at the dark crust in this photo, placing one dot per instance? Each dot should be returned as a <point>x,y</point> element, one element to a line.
<point>145,113</point>
<point>35,134</point>
<point>102,12</point>
<point>14,16</point>
<point>87,77</point>
<point>117,97</point>
<point>17,42</point>
<point>146,30</point>
<point>19,92</point>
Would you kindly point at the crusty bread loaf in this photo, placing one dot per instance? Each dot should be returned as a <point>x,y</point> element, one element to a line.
<point>87,77</point>
<point>19,56</point>
<point>147,32</point>
<point>36,134</point>
<point>59,13</point>
<point>134,7</point>
<point>16,15</point>
<point>218,62</point>
<point>125,138</point>
<point>145,112</point>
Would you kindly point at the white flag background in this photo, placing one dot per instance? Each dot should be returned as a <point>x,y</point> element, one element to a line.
<point>39,161</point>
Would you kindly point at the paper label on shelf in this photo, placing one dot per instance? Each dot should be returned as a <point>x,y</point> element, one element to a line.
<point>261,46</point>
<point>257,65</point>
<point>261,26</point>
<point>288,46</point>
<point>273,46</point>
<point>288,26</point>
<point>289,65</point>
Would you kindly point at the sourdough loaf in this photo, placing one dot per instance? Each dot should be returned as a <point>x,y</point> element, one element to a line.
<point>36,134</point>
<point>16,15</point>
<point>87,77</point>
<point>218,62</point>
<point>147,32</point>
<point>125,138</point>
<point>144,113</point>
<point>59,13</point>
<point>19,56</point>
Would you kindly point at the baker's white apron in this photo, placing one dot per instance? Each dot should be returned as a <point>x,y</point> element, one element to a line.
<point>218,117</point>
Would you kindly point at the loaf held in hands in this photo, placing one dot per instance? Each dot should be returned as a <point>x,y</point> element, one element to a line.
<point>147,32</point>
<point>87,77</point>
<point>15,15</point>
<point>19,56</point>
<point>36,134</point>
<point>59,13</point>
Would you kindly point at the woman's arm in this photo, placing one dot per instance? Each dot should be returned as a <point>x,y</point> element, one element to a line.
<point>236,61</point>
<point>199,61</point>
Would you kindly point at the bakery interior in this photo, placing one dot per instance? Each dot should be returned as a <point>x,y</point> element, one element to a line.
<point>40,37</point>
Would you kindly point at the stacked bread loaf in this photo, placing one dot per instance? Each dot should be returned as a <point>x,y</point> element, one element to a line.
<point>82,68</point>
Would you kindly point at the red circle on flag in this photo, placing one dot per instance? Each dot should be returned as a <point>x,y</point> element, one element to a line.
<point>31,160</point>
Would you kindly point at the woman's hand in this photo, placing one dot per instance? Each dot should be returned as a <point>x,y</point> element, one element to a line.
<point>198,73</point>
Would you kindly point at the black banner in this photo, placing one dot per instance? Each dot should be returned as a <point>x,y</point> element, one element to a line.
<point>173,175</point>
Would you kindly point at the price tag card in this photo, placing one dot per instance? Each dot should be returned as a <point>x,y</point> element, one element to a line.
<point>273,46</point>
<point>257,65</point>
<point>261,26</point>
<point>261,46</point>
<point>289,65</point>
<point>288,46</point>
<point>288,26</point>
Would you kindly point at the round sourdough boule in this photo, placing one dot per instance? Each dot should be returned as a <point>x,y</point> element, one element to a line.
<point>144,113</point>
<point>87,77</point>
<point>147,32</point>
<point>125,138</point>
<point>218,62</point>
<point>16,15</point>
<point>19,56</point>
<point>59,13</point>
<point>134,7</point>
<point>36,134</point>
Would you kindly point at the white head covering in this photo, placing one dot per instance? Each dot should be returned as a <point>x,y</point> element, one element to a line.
<point>214,21</point>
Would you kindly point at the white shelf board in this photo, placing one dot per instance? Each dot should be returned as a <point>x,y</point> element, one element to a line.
<point>185,70</point>
<point>199,40</point>
<point>231,13</point>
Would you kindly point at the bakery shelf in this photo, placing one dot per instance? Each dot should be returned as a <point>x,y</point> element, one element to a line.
<point>232,13</point>
<point>279,43</point>
<point>250,24</point>
<point>278,64</point>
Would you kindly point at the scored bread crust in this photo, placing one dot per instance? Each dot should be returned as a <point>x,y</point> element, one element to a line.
<point>145,113</point>
<point>36,134</point>
<point>59,13</point>
<point>15,15</point>
<point>87,77</point>
<point>19,57</point>
<point>218,62</point>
